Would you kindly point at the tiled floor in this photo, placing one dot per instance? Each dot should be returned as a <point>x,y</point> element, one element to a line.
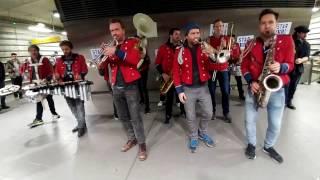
<point>52,152</point>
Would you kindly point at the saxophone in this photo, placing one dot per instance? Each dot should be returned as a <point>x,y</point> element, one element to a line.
<point>268,82</point>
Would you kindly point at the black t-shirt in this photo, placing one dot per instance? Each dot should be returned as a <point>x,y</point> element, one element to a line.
<point>196,75</point>
<point>68,61</point>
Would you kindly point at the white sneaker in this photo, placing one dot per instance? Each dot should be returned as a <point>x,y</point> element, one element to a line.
<point>55,117</point>
<point>160,103</point>
<point>178,104</point>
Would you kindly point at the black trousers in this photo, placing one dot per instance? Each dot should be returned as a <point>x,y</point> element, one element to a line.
<point>291,88</point>
<point>239,84</point>
<point>170,97</point>
<point>3,98</point>
<point>143,90</point>
<point>17,81</point>
<point>51,107</point>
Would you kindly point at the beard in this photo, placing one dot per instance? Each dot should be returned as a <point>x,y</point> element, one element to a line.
<point>268,34</point>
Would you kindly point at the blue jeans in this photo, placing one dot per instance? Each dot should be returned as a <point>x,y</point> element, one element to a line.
<point>223,78</point>
<point>274,108</point>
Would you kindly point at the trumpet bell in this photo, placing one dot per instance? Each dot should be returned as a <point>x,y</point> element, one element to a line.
<point>145,25</point>
<point>223,56</point>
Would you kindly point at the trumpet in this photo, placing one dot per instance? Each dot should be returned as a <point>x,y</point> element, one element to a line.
<point>207,47</point>
<point>101,57</point>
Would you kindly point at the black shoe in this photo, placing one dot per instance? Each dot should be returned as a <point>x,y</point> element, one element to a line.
<point>75,129</point>
<point>168,117</point>
<point>227,118</point>
<point>242,98</point>
<point>251,151</point>
<point>291,106</point>
<point>273,154</point>
<point>213,116</point>
<point>147,110</point>
<point>81,131</point>
<point>5,107</point>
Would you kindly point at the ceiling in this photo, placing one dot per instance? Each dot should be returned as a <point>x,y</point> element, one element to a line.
<point>86,9</point>
<point>29,10</point>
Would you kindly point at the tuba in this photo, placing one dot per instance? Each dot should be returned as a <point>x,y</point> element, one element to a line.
<point>146,28</point>
<point>268,82</point>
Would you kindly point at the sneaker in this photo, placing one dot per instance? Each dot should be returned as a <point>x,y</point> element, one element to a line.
<point>115,117</point>
<point>273,154</point>
<point>178,105</point>
<point>55,117</point>
<point>193,144</point>
<point>251,151</point>
<point>207,140</point>
<point>160,103</point>
<point>129,145</point>
<point>36,122</point>
<point>227,118</point>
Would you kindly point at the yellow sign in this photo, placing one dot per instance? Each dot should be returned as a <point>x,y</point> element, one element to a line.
<point>51,39</point>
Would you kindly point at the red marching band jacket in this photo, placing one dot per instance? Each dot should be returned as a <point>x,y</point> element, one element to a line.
<point>126,58</point>
<point>45,70</point>
<point>79,67</point>
<point>235,53</point>
<point>252,63</point>
<point>165,58</point>
<point>215,42</point>
<point>182,67</point>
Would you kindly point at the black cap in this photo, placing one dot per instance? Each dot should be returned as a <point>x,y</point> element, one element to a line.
<point>301,28</point>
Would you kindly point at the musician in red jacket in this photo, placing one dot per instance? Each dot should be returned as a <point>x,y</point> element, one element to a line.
<point>72,67</point>
<point>220,42</point>
<point>234,66</point>
<point>124,58</point>
<point>280,48</point>
<point>191,67</point>
<point>38,68</point>
<point>164,62</point>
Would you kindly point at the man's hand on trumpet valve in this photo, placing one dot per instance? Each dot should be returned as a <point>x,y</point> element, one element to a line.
<point>109,51</point>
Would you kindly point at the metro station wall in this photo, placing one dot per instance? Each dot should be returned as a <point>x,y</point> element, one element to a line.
<point>88,34</point>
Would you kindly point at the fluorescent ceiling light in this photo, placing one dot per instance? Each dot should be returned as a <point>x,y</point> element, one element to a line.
<point>40,27</point>
<point>315,9</point>
<point>64,33</point>
<point>56,15</point>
